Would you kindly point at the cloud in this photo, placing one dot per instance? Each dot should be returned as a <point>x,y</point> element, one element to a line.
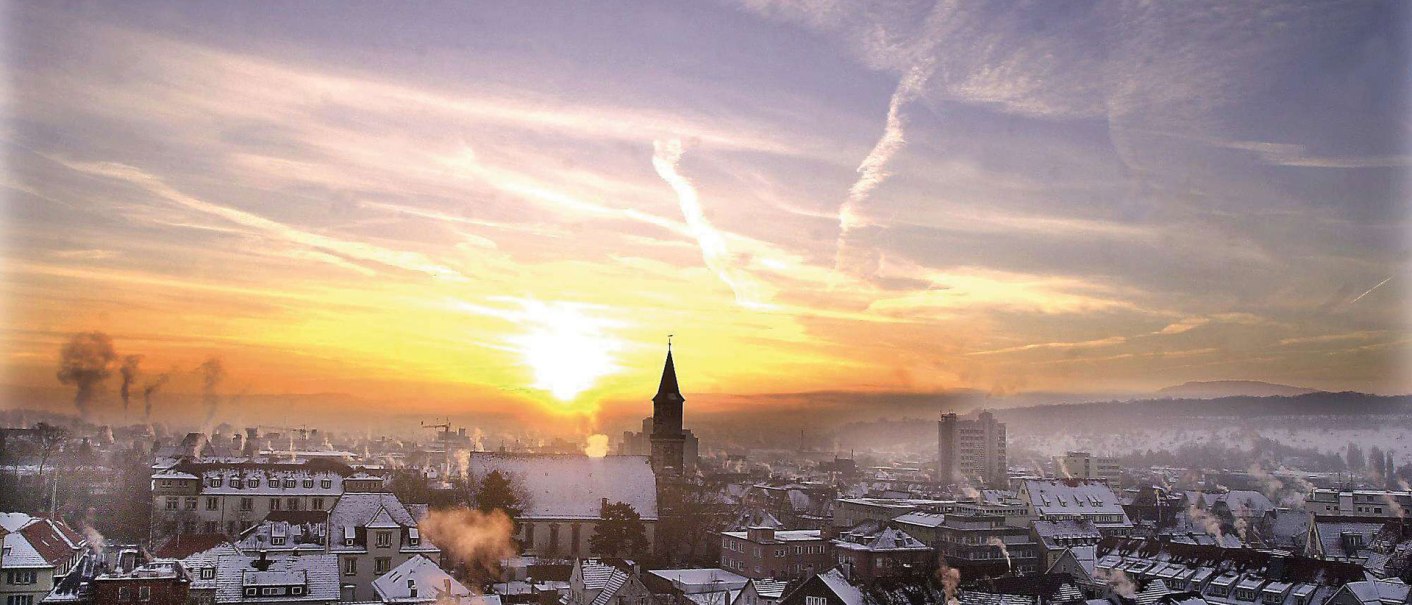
<point>665,157</point>
<point>1185,325</point>
<point>1084,344</point>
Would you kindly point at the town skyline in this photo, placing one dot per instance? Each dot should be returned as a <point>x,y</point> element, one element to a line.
<point>507,210</point>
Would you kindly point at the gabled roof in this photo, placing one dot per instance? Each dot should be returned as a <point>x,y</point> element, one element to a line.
<point>430,580</point>
<point>318,573</point>
<point>182,546</point>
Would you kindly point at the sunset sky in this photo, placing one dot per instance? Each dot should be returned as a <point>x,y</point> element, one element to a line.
<point>509,206</point>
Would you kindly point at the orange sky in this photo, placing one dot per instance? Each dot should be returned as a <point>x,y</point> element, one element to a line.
<point>433,223</point>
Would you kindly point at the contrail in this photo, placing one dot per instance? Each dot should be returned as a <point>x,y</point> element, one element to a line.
<point>873,170</point>
<point>665,156</point>
<point>1370,290</point>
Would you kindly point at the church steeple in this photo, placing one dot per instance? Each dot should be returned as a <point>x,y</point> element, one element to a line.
<point>668,439</point>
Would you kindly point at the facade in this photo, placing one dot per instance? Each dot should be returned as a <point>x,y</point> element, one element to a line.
<point>668,440</point>
<point>828,588</point>
<point>1357,503</point>
<point>767,553</point>
<point>370,534</point>
<point>1234,576</point>
<point>971,451</point>
<point>985,543</point>
<point>1055,537</point>
<point>1091,499</point>
<point>155,583</point>
<point>420,580</point>
<point>565,493</point>
<point>227,496</point>
<point>761,592</point>
<point>35,552</point>
<point>890,553</point>
<point>1083,465</point>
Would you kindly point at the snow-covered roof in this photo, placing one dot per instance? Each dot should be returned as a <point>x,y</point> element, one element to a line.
<point>849,593</point>
<point>889,539</point>
<point>1379,592</point>
<point>1072,497</point>
<point>692,581</point>
<point>317,574</point>
<point>572,486</point>
<point>791,535</point>
<point>431,581</point>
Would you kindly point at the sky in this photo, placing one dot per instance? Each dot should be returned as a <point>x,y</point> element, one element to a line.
<point>503,207</point>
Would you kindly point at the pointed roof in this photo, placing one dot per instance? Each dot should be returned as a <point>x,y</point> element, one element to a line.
<point>668,386</point>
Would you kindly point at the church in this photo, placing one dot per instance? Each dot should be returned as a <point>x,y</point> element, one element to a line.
<point>673,450</point>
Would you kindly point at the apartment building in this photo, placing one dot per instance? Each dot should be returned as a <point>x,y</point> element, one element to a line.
<point>971,451</point>
<point>1084,465</point>
<point>35,552</point>
<point>227,496</point>
<point>1091,499</point>
<point>767,553</point>
<point>1357,502</point>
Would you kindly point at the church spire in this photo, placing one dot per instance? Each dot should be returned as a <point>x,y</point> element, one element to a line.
<point>668,387</point>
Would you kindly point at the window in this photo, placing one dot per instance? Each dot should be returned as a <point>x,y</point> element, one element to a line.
<point>251,591</point>
<point>274,503</point>
<point>208,573</point>
<point>316,504</point>
<point>144,593</point>
<point>292,503</point>
<point>326,484</point>
<point>308,483</point>
<point>254,482</point>
<point>382,565</point>
<point>289,484</point>
<point>247,504</point>
<point>172,503</point>
<point>815,601</point>
<point>296,590</point>
<point>19,600</point>
<point>235,482</point>
<point>350,567</point>
<point>277,540</point>
<point>414,536</point>
<point>191,503</point>
<point>124,593</point>
<point>213,503</point>
<point>384,539</point>
<point>217,481</point>
<point>21,577</point>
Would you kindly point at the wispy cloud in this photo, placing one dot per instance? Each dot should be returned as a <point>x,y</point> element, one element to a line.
<point>1083,344</point>
<point>665,157</point>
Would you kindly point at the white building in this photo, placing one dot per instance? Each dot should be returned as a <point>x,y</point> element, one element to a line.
<point>35,552</point>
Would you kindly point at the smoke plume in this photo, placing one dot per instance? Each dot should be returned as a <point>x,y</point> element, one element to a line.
<point>147,392</point>
<point>1207,521</point>
<point>129,371</point>
<point>472,538</point>
<point>1119,581</point>
<point>212,372</point>
<point>950,578</point>
<point>597,446</point>
<point>997,542</point>
<point>85,362</point>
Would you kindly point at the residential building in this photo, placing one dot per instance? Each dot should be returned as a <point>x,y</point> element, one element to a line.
<point>828,588</point>
<point>371,534</point>
<point>889,553</point>
<point>848,512</point>
<point>565,494</point>
<point>1357,503</point>
<point>1372,592</point>
<point>763,552</point>
<point>1344,538</point>
<point>163,582</point>
<point>761,592</point>
<point>1055,537</point>
<point>694,586</point>
<point>984,545</point>
<point>1091,499</point>
<point>420,580</point>
<point>227,496</point>
<point>308,578</point>
<point>1083,465</point>
<point>971,451</point>
<point>35,552</point>
<point>1234,576</point>
<point>595,582</point>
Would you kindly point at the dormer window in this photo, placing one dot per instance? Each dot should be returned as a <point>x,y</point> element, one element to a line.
<point>296,590</point>
<point>236,483</point>
<point>277,540</point>
<point>251,591</point>
<point>414,537</point>
<point>326,484</point>
<point>308,483</point>
<point>254,482</point>
<point>289,484</point>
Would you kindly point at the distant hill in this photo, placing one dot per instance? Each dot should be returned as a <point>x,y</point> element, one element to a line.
<point>1150,411</point>
<point>1217,389</point>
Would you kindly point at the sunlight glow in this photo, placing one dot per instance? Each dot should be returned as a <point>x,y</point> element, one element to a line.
<point>567,349</point>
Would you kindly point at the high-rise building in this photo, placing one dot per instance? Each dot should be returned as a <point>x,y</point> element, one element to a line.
<point>971,451</point>
<point>668,439</point>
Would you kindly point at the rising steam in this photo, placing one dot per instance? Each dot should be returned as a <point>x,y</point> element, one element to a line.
<point>1005,552</point>
<point>597,446</point>
<point>950,578</point>
<point>147,392</point>
<point>472,538</point>
<point>1119,581</point>
<point>85,362</point>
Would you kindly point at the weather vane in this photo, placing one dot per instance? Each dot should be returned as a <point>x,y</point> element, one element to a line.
<point>669,341</point>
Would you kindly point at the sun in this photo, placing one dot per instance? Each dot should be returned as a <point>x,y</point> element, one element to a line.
<point>566,348</point>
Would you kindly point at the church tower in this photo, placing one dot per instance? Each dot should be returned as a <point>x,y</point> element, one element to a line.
<point>668,440</point>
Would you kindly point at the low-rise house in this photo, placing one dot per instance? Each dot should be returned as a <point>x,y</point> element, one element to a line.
<point>888,553</point>
<point>35,553</point>
<point>308,578</point>
<point>761,592</point>
<point>163,582</point>
<point>695,586</point>
<point>1343,538</point>
<point>371,533</point>
<point>828,588</point>
<point>595,582</point>
<point>1055,537</point>
<point>420,580</point>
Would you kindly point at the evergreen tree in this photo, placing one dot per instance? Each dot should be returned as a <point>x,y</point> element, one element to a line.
<point>496,491</point>
<point>620,532</point>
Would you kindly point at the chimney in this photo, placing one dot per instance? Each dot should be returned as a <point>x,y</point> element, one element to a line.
<point>411,588</point>
<point>446,586</point>
<point>602,505</point>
